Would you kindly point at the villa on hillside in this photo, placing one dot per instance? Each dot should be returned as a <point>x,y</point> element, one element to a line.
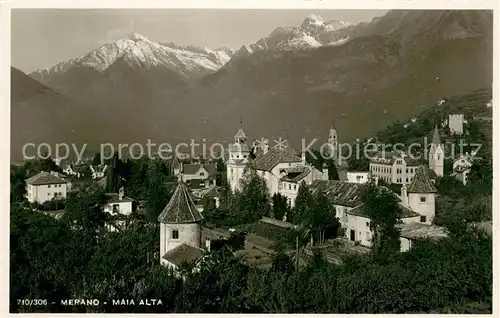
<point>46,186</point>
<point>197,175</point>
<point>118,204</point>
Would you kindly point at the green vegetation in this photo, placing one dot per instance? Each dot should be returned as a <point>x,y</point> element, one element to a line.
<point>75,257</point>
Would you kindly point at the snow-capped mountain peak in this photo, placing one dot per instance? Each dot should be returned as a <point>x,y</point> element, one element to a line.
<point>312,19</point>
<point>139,51</point>
<point>312,33</point>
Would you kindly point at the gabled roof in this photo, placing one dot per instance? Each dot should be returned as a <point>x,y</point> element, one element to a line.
<point>180,208</point>
<point>392,156</point>
<point>183,253</point>
<point>115,198</point>
<point>361,211</point>
<point>338,192</point>
<point>45,178</point>
<point>296,174</point>
<point>272,157</point>
<point>421,182</point>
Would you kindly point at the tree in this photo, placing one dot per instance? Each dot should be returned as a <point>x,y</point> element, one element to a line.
<point>114,178</point>
<point>303,204</point>
<point>157,195</point>
<point>18,184</point>
<point>384,213</point>
<point>252,202</point>
<point>136,186</point>
<point>96,161</point>
<point>84,209</point>
<point>280,206</point>
<point>322,217</point>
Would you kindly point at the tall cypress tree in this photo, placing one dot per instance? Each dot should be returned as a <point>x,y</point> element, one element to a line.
<point>156,194</point>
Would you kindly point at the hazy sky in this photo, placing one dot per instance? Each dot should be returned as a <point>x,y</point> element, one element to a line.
<point>44,37</point>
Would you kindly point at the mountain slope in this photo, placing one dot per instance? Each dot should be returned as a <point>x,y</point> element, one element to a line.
<point>41,115</point>
<point>385,71</point>
<point>292,82</point>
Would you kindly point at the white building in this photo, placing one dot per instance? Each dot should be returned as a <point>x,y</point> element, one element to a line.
<point>456,124</point>
<point>417,206</point>
<point>436,154</point>
<point>118,204</point>
<point>461,168</point>
<point>197,175</point>
<point>180,230</point>
<point>393,167</point>
<point>45,186</point>
<point>98,171</point>
<point>333,146</point>
<point>358,177</point>
<point>239,154</point>
<point>289,183</point>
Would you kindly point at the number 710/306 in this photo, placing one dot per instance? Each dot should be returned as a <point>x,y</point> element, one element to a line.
<point>32,302</point>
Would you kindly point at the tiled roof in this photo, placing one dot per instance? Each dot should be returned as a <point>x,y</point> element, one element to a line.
<point>115,198</point>
<point>272,157</point>
<point>360,211</point>
<point>192,168</point>
<point>45,178</point>
<point>416,230</point>
<point>180,208</point>
<point>393,156</point>
<point>183,253</point>
<point>338,192</point>
<point>296,174</point>
<point>421,182</point>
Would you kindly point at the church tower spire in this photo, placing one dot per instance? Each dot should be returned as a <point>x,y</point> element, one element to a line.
<point>239,154</point>
<point>436,153</point>
<point>333,144</point>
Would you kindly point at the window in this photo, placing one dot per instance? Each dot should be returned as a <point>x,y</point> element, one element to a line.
<point>368,224</point>
<point>48,194</point>
<point>202,174</point>
<point>422,199</point>
<point>295,187</point>
<point>423,218</point>
<point>289,186</point>
<point>175,234</point>
<point>48,186</point>
<point>231,170</point>
<point>116,208</point>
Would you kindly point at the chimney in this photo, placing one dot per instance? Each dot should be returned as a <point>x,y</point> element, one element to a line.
<point>121,193</point>
<point>303,157</point>
<point>207,244</point>
<point>325,171</point>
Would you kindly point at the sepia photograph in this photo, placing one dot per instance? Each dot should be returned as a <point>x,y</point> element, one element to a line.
<point>251,160</point>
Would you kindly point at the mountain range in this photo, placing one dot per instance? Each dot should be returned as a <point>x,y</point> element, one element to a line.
<point>291,83</point>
